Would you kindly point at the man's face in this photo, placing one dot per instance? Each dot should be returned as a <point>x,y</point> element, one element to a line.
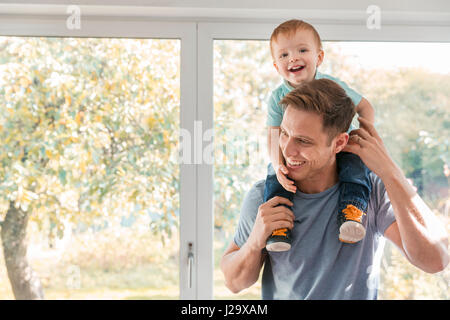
<point>310,157</point>
<point>296,57</point>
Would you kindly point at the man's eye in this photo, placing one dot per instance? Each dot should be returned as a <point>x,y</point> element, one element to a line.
<point>303,141</point>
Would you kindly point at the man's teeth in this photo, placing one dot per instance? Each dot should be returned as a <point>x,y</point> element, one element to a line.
<point>298,163</point>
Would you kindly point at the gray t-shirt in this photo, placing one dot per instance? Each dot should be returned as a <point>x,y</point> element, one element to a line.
<point>318,265</point>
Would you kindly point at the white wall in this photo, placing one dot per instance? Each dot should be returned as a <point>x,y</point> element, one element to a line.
<point>388,5</point>
<point>411,12</point>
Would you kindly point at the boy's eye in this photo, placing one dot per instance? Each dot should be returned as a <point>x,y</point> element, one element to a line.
<point>283,133</point>
<point>283,55</point>
<point>303,50</point>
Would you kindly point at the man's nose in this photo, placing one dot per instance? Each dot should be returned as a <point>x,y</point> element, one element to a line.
<point>290,148</point>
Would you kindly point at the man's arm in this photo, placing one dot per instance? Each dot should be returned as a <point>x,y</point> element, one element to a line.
<point>241,266</point>
<point>417,231</point>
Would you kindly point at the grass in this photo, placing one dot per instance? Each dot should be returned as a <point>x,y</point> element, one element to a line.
<point>133,265</point>
<point>121,264</point>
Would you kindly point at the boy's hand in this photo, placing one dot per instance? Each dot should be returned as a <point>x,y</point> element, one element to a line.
<point>287,183</point>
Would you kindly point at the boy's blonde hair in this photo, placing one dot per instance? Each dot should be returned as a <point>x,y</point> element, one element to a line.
<point>290,27</point>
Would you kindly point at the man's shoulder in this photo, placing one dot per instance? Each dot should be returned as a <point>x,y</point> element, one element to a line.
<point>249,211</point>
<point>378,193</point>
<point>377,183</point>
<point>255,196</point>
<point>257,190</point>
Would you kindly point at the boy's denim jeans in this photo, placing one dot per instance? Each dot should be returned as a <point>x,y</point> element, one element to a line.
<point>273,188</point>
<point>355,187</point>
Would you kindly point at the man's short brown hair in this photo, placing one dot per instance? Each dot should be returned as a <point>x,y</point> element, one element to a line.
<point>327,99</point>
<point>290,27</point>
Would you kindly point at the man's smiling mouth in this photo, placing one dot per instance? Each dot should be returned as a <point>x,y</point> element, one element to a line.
<point>295,164</point>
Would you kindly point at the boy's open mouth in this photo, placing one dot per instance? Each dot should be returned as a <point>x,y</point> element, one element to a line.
<point>296,68</point>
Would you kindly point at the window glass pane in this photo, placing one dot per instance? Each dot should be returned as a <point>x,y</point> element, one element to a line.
<point>409,86</point>
<point>243,79</point>
<point>89,135</point>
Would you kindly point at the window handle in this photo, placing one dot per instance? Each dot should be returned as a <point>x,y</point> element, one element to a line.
<point>190,264</point>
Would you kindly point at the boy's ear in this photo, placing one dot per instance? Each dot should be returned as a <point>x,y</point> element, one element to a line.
<point>275,65</point>
<point>320,58</point>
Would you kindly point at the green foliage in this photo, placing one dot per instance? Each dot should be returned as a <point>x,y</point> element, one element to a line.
<point>89,127</point>
<point>243,80</point>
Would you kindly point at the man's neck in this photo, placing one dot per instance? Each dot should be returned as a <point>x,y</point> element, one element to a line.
<point>320,182</point>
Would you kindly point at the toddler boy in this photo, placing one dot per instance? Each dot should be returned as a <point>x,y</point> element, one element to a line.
<point>297,52</point>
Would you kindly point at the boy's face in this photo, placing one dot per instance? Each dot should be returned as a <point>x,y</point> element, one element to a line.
<point>297,57</point>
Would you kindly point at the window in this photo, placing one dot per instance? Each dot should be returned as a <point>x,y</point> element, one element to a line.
<point>89,130</point>
<point>410,94</point>
<point>169,77</point>
<point>408,85</point>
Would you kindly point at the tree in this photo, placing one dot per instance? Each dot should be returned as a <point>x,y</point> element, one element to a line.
<point>89,129</point>
<point>240,95</point>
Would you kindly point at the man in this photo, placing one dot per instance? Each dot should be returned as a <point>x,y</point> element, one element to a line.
<point>319,266</point>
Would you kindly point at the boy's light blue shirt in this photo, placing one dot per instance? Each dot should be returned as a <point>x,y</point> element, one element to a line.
<point>275,114</point>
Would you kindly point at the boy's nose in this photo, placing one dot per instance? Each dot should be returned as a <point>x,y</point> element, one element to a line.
<point>294,57</point>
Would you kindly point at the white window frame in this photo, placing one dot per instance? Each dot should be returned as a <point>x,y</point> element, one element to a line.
<point>133,28</point>
<point>196,92</point>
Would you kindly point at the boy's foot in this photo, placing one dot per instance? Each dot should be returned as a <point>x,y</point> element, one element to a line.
<point>280,240</point>
<point>351,229</point>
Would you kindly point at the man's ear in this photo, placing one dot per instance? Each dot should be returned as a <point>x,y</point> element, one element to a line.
<point>320,58</point>
<point>340,142</point>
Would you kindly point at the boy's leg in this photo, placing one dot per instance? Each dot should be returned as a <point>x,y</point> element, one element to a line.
<point>280,239</point>
<point>355,190</point>
<point>273,188</point>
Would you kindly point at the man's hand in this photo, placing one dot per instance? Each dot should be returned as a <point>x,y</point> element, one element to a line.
<point>419,234</point>
<point>367,144</point>
<point>282,178</point>
<point>270,217</point>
